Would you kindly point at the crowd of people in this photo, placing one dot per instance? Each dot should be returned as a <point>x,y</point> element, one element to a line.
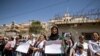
<point>37,45</point>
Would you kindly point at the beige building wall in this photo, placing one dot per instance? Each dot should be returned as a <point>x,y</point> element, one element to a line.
<point>77,29</point>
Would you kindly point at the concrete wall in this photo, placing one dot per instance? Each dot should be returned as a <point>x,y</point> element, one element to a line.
<point>77,29</point>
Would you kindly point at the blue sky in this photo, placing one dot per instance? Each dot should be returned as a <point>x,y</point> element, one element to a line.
<point>22,11</point>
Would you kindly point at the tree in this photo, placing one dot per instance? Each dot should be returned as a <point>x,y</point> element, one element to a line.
<point>35,27</point>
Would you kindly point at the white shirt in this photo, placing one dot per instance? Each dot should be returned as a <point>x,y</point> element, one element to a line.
<point>85,45</point>
<point>13,43</point>
<point>94,47</point>
<point>33,42</point>
<point>41,45</point>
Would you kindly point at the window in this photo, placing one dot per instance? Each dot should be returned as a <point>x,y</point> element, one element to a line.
<point>88,35</point>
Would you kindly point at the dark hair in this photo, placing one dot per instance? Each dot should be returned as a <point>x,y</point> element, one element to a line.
<point>11,38</point>
<point>72,40</point>
<point>54,36</point>
<point>81,36</point>
<point>53,28</point>
<point>44,36</point>
<point>20,36</point>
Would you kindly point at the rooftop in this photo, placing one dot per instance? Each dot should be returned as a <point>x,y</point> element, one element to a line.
<point>73,20</point>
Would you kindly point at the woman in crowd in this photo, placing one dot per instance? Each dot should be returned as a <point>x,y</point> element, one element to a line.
<point>54,36</point>
<point>68,40</point>
<point>68,43</point>
<point>94,45</point>
<point>39,45</point>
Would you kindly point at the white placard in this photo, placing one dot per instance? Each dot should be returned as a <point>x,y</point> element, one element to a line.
<point>23,48</point>
<point>53,47</point>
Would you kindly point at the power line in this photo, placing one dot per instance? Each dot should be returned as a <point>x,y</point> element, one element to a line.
<point>59,3</point>
<point>89,4</point>
<point>91,13</point>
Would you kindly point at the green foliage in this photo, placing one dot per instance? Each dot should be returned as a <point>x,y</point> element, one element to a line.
<point>35,27</point>
<point>36,23</point>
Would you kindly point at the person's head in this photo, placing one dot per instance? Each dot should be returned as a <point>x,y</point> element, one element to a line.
<point>6,39</point>
<point>69,41</point>
<point>95,36</point>
<point>42,37</point>
<point>81,38</point>
<point>30,37</point>
<point>17,38</point>
<point>1,38</point>
<point>11,38</point>
<point>80,48</point>
<point>54,30</point>
<point>20,36</point>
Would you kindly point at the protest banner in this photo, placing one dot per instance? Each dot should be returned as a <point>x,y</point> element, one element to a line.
<point>23,48</point>
<point>53,47</point>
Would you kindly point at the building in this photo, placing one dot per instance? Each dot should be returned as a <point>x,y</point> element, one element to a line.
<point>77,26</point>
<point>14,29</point>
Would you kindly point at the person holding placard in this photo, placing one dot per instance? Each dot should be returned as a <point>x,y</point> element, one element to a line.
<point>54,37</point>
<point>28,44</point>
